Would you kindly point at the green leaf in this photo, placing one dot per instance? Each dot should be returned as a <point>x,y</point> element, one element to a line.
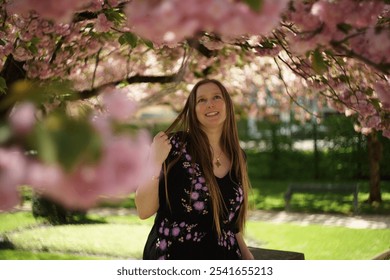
<point>318,63</point>
<point>267,44</point>
<point>77,142</point>
<point>2,42</point>
<point>255,5</point>
<point>343,78</point>
<point>376,104</point>
<point>5,132</point>
<point>344,27</point>
<point>67,141</point>
<point>148,43</point>
<point>44,144</point>
<point>32,45</point>
<point>35,40</point>
<point>3,85</point>
<point>33,48</point>
<point>115,16</point>
<point>128,38</point>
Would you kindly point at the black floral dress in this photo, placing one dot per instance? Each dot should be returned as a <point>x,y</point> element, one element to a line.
<point>186,231</point>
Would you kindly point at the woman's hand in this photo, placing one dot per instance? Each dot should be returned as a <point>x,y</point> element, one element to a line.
<point>146,196</point>
<point>160,148</point>
<point>247,255</point>
<point>245,252</point>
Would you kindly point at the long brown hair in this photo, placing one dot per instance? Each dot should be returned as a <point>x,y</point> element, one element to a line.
<point>200,151</point>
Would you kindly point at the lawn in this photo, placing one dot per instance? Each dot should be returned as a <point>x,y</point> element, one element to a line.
<point>321,242</point>
<point>123,237</point>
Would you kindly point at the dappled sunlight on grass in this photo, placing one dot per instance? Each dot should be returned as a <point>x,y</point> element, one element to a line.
<point>12,221</point>
<point>28,255</point>
<point>123,237</point>
<point>321,242</point>
<point>107,240</point>
<point>269,195</point>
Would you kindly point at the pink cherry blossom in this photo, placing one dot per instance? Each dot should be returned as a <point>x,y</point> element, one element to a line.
<point>103,24</point>
<point>55,10</point>
<point>12,174</point>
<point>118,105</point>
<point>22,118</point>
<point>113,3</point>
<point>382,90</point>
<point>386,133</point>
<point>180,19</point>
<point>117,174</point>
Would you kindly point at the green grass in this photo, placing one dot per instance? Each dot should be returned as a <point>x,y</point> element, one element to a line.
<point>123,237</point>
<point>27,255</point>
<point>107,240</point>
<point>321,242</point>
<point>12,221</point>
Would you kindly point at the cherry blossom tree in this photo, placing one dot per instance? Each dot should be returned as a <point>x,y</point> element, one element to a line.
<point>72,72</point>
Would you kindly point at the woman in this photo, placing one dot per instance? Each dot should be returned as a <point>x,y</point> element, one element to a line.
<point>200,185</point>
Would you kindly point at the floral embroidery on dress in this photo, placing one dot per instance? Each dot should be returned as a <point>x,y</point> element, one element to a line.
<point>198,195</point>
<point>227,239</point>
<point>235,204</point>
<point>175,231</point>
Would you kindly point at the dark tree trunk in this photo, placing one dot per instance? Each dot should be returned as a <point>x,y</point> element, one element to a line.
<point>12,71</point>
<point>375,150</point>
<point>316,152</point>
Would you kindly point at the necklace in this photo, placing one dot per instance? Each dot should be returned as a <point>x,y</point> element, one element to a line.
<point>218,162</point>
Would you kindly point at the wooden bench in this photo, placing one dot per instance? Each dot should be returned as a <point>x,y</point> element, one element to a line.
<point>339,188</point>
<point>269,254</point>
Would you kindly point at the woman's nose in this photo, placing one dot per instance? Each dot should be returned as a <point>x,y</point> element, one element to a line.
<point>210,103</point>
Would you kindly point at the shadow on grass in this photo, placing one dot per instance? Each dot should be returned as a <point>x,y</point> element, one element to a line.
<point>269,195</point>
<point>87,220</point>
<point>5,243</point>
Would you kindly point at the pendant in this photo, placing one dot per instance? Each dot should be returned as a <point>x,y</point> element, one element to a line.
<point>218,163</point>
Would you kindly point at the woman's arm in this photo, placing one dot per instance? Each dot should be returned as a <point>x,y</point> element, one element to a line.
<point>146,196</point>
<point>246,254</point>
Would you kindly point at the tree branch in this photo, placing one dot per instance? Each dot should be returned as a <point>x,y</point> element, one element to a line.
<point>195,44</point>
<point>381,67</point>
<point>288,92</point>
<point>132,80</point>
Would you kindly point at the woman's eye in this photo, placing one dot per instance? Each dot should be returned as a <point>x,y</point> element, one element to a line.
<point>217,97</point>
<point>201,100</point>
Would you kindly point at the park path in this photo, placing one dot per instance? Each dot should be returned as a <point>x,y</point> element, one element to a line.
<point>358,221</point>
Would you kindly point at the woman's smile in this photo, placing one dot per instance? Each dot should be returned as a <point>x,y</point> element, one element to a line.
<point>210,106</point>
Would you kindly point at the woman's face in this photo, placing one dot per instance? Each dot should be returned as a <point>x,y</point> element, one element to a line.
<point>210,106</point>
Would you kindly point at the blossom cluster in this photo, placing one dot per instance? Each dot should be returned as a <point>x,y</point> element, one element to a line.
<point>60,11</point>
<point>172,21</point>
<point>327,23</point>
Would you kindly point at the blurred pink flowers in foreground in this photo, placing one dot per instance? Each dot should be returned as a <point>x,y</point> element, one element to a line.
<point>22,118</point>
<point>117,174</point>
<point>119,170</point>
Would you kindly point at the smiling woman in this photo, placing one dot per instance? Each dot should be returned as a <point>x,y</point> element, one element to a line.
<point>210,107</point>
<point>199,186</point>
